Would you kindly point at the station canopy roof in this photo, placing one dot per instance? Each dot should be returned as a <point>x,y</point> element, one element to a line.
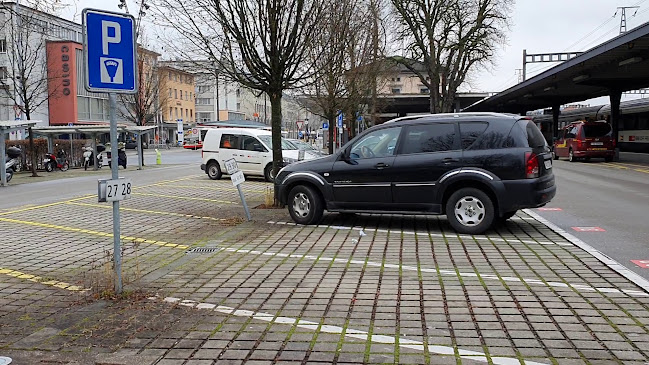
<point>89,129</point>
<point>621,63</point>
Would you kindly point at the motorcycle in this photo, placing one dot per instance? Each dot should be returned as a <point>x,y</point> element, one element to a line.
<point>88,157</point>
<point>59,161</point>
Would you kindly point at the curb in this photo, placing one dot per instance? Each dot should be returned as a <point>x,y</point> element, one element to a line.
<point>612,264</point>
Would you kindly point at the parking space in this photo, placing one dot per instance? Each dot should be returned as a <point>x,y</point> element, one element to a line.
<point>359,288</point>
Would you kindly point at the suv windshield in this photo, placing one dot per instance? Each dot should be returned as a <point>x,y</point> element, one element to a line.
<point>268,141</point>
<point>597,130</point>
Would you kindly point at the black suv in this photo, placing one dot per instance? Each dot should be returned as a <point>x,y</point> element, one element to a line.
<point>477,168</point>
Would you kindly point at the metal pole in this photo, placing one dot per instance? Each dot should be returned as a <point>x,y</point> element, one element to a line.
<point>3,169</point>
<point>117,251</point>
<point>140,153</point>
<point>243,201</point>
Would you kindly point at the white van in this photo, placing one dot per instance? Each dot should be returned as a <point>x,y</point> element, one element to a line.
<point>251,148</point>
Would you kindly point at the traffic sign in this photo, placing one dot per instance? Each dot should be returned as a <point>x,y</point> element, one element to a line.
<point>109,51</point>
<point>231,166</point>
<point>325,126</point>
<point>340,120</point>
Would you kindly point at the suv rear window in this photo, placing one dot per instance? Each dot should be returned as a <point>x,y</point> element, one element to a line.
<point>535,138</point>
<point>470,132</point>
<point>597,130</point>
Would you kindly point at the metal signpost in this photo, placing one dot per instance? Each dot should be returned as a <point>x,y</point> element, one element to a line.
<point>110,64</point>
<point>237,178</point>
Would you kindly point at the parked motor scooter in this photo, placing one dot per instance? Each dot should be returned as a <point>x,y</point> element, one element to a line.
<point>59,161</point>
<point>11,161</point>
<point>88,157</point>
<point>121,155</point>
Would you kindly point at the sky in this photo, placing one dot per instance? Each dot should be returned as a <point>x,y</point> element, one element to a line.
<point>539,26</point>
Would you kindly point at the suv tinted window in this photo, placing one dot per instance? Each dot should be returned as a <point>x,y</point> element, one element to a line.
<point>230,141</point>
<point>470,132</point>
<point>597,130</point>
<point>433,137</point>
<point>379,143</point>
<point>535,138</point>
<point>571,132</point>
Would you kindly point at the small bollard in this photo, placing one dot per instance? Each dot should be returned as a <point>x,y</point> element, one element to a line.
<point>158,157</point>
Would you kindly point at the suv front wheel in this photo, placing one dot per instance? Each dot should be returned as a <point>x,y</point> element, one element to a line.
<point>470,211</point>
<point>305,205</point>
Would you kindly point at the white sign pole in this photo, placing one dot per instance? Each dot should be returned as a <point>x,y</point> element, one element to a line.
<point>237,178</point>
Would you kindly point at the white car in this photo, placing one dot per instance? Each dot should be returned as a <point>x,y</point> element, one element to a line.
<point>251,148</point>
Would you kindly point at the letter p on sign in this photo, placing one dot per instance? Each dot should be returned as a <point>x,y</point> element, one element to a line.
<point>106,38</point>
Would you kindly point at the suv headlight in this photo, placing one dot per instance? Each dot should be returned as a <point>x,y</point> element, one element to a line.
<point>288,161</point>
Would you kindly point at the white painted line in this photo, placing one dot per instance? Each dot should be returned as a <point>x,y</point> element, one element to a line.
<point>612,264</point>
<point>554,284</point>
<point>349,332</point>
<point>425,233</point>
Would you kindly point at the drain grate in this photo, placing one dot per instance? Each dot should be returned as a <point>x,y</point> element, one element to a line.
<point>204,250</point>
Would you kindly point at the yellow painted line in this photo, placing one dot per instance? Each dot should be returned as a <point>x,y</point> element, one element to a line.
<point>641,170</point>
<point>185,198</point>
<point>612,165</point>
<point>216,188</point>
<point>46,205</point>
<point>632,165</point>
<point>88,231</point>
<point>147,211</point>
<point>38,279</point>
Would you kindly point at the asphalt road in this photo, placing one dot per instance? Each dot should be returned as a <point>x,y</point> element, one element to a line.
<point>611,196</point>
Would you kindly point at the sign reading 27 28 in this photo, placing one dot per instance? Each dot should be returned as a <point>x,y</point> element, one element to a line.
<point>110,51</point>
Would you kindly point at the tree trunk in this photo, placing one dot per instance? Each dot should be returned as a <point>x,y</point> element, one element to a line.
<point>276,123</point>
<point>332,122</point>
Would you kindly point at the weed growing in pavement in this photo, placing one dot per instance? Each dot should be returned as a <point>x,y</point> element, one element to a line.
<point>101,275</point>
<point>269,197</point>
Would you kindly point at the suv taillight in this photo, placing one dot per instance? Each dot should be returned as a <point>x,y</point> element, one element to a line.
<point>531,165</point>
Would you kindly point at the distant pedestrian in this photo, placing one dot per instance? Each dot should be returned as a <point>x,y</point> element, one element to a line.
<point>167,143</point>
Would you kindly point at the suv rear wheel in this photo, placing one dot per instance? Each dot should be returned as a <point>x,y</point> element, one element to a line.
<point>269,175</point>
<point>470,211</point>
<point>571,156</point>
<point>305,205</point>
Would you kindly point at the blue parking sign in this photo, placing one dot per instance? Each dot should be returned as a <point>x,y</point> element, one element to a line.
<point>110,51</point>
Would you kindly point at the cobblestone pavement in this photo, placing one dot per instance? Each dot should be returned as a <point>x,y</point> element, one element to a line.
<point>210,288</point>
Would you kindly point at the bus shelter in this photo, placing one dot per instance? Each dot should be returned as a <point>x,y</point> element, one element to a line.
<point>7,127</point>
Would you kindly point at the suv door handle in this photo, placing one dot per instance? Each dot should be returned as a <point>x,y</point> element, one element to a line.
<point>381,166</point>
<point>449,160</point>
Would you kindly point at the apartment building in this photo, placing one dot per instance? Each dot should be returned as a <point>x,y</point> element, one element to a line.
<point>178,88</point>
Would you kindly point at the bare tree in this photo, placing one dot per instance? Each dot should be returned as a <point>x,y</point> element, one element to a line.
<point>24,79</point>
<point>142,107</point>
<point>261,44</point>
<point>345,56</point>
<point>450,38</point>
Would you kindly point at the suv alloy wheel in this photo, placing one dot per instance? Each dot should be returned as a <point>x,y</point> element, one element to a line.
<point>470,211</point>
<point>305,205</point>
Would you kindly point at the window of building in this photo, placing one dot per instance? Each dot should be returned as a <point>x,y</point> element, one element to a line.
<point>238,106</point>
<point>204,88</point>
<point>203,101</point>
<point>176,113</point>
<point>181,113</point>
<point>169,75</point>
<point>424,90</point>
<point>171,113</point>
<point>396,91</point>
<point>175,93</point>
<point>190,96</point>
<point>3,45</point>
<point>191,114</point>
<point>238,93</point>
<point>3,73</point>
<point>169,92</point>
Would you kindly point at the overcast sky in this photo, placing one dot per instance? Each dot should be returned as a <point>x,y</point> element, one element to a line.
<point>537,25</point>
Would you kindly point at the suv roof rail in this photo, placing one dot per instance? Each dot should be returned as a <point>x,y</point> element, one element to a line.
<point>456,115</point>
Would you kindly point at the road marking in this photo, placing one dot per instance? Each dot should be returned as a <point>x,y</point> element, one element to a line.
<point>40,280</point>
<point>642,263</point>
<point>426,233</point>
<point>147,211</point>
<point>316,259</point>
<point>217,188</point>
<point>96,233</point>
<point>349,332</point>
<point>185,198</point>
<point>550,209</point>
<point>46,205</point>
<point>588,229</point>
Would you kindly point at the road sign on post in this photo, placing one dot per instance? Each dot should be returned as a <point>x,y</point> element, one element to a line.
<point>110,56</point>
<point>232,168</point>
